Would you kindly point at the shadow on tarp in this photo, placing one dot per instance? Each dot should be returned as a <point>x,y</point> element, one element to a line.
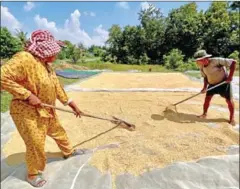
<point>14,162</point>
<point>17,160</point>
<point>185,118</point>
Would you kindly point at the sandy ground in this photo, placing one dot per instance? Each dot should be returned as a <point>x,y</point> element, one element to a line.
<point>159,139</point>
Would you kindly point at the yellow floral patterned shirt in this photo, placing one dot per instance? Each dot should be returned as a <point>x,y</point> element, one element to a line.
<point>24,75</point>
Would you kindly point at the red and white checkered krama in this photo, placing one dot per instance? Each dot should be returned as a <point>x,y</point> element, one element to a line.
<point>42,44</point>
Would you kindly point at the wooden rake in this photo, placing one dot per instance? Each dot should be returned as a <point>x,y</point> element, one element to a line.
<point>115,120</point>
<point>174,105</point>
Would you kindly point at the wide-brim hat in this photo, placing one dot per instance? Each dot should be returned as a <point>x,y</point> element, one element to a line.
<point>201,54</point>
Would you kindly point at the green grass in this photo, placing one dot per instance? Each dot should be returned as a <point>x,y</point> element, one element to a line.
<point>194,74</point>
<point>65,81</point>
<point>236,73</point>
<point>6,97</point>
<point>5,101</point>
<point>198,74</point>
<point>123,67</point>
<point>96,63</point>
<point>92,59</point>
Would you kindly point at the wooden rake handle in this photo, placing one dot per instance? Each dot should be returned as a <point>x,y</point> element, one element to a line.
<point>82,114</point>
<point>200,93</point>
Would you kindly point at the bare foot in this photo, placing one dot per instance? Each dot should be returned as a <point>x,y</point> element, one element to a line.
<point>203,116</point>
<point>232,122</point>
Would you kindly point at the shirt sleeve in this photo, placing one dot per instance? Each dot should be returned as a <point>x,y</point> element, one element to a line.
<point>225,62</point>
<point>12,74</point>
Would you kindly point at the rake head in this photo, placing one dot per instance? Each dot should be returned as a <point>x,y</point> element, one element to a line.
<point>124,124</point>
<point>170,109</point>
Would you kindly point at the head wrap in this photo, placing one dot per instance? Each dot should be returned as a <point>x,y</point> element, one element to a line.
<point>43,45</point>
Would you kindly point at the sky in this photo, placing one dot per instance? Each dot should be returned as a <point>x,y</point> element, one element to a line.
<point>78,22</point>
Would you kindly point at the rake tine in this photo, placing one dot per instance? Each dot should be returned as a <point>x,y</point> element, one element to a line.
<point>176,109</point>
<point>126,123</point>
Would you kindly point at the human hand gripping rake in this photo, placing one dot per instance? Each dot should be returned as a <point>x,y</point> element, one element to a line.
<point>115,120</point>
<point>174,105</point>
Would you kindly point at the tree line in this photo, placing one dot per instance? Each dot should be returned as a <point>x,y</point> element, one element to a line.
<point>11,44</point>
<point>164,40</point>
<point>184,31</point>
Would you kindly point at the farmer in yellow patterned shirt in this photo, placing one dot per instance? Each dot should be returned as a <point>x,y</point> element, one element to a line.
<point>29,78</point>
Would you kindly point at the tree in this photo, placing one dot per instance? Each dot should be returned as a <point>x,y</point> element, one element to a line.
<point>62,55</point>
<point>235,5</point>
<point>174,59</point>
<point>153,24</point>
<point>234,28</point>
<point>9,44</point>
<point>236,56</point>
<point>65,53</point>
<point>22,37</point>
<point>82,49</point>
<point>115,42</point>
<point>217,29</point>
<point>97,51</point>
<point>74,53</point>
<point>81,46</point>
<point>132,48</point>
<point>184,26</point>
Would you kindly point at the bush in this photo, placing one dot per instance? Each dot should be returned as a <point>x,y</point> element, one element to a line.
<point>144,59</point>
<point>9,44</point>
<point>108,58</point>
<point>189,65</point>
<point>236,56</point>
<point>62,55</point>
<point>173,60</point>
<point>74,53</point>
<point>132,60</point>
<point>6,99</point>
<point>89,55</point>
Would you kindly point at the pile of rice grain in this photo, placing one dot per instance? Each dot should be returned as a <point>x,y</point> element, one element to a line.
<point>159,139</point>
